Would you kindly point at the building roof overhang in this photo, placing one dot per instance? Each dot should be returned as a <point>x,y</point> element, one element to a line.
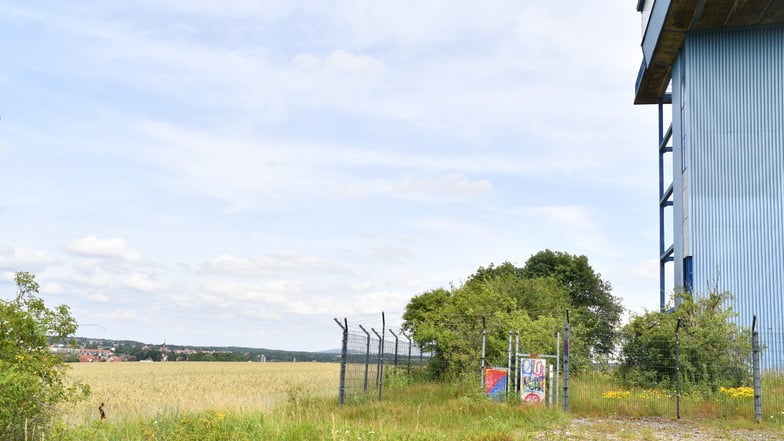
<point>672,19</point>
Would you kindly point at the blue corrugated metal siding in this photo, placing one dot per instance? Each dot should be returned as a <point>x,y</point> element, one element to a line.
<point>735,118</point>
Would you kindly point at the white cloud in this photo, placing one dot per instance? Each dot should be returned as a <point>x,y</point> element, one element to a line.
<point>25,259</point>
<point>96,280</point>
<point>226,293</point>
<point>266,10</point>
<point>453,227</point>
<point>92,246</point>
<point>448,187</point>
<point>261,313</point>
<point>271,265</point>
<point>119,314</point>
<point>53,288</point>
<point>362,285</point>
<point>250,172</point>
<point>316,306</point>
<point>142,283</point>
<point>97,297</point>
<point>376,301</point>
<point>340,62</point>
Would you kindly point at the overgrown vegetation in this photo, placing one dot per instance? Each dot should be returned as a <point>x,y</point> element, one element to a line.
<point>33,381</point>
<point>412,411</point>
<point>421,411</point>
<point>530,300</point>
<point>298,401</point>
<point>714,351</point>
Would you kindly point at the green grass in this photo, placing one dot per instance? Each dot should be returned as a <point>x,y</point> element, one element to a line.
<point>419,412</point>
<point>599,394</point>
<point>434,411</point>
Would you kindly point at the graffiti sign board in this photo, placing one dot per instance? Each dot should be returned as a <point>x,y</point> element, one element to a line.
<point>495,382</point>
<point>533,379</point>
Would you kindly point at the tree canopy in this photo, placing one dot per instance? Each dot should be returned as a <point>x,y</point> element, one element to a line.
<point>591,296</point>
<point>530,301</point>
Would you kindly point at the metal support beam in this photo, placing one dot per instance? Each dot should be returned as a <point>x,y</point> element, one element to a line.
<point>665,198</point>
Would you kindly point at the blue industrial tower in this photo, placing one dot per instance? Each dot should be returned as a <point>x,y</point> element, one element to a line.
<point>718,65</point>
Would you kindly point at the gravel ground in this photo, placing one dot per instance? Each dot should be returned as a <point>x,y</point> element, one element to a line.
<point>658,430</point>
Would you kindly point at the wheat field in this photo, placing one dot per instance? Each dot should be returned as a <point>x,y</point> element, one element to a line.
<point>131,391</point>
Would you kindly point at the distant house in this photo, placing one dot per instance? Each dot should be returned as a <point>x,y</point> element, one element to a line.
<point>62,349</point>
<point>97,355</point>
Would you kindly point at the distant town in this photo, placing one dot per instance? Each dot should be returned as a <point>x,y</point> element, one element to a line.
<point>98,350</point>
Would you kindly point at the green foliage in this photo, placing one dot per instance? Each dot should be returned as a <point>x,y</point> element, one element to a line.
<point>595,306</point>
<point>32,380</point>
<point>714,351</point>
<point>502,299</point>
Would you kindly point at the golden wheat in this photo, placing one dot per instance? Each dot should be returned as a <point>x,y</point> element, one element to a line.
<point>142,390</point>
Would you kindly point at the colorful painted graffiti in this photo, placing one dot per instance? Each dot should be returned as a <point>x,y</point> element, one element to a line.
<point>533,378</point>
<point>495,382</point>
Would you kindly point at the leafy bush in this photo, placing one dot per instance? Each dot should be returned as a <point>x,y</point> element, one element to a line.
<point>714,351</point>
<point>32,379</point>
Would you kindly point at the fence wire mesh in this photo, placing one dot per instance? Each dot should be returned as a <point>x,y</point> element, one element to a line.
<point>677,383</point>
<point>667,378</point>
<point>370,357</point>
<point>772,373</point>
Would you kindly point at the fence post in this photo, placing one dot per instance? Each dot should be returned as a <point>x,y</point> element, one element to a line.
<point>566,364</point>
<point>367,357</point>
<point>508,363</point>
<point>550,402</point>
<point>557,366</point>
<point>516,378</point>
<point>383,348</point>
<point>678,370</point>
<point>343,360</point>
<point>379,360</point>
<point>396,341</point>
<point>484,337</point>
<point>409,352</point>
<point>755,361</point>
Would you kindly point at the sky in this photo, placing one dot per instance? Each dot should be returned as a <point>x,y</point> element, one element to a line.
<point>241,172</point>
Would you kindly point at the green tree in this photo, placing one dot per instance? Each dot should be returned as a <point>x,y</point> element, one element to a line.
<point>715,352</point>
<point>32,379</point>
<point>537,296</point>
<point>597,309</point>
<point>449,322</point>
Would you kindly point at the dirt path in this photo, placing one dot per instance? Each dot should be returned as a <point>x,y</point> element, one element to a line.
<point>659,430</point>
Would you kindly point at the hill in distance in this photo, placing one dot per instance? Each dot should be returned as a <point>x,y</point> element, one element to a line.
<point>142,350</point>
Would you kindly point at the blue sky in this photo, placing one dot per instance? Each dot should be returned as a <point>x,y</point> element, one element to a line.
<point>241,172</point>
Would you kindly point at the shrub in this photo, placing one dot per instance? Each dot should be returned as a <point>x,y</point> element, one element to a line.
<point>714,351</point>
<point>32,379</point>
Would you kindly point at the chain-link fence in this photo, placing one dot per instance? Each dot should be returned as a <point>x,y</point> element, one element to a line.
<point>771,377</point>
<point>370,356</point>
<point>666,378</point>
<point>677,373</point>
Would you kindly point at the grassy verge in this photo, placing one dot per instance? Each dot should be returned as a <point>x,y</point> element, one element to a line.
<point>598,394</point>
<point>415,412</point>
<point>419,412</point>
